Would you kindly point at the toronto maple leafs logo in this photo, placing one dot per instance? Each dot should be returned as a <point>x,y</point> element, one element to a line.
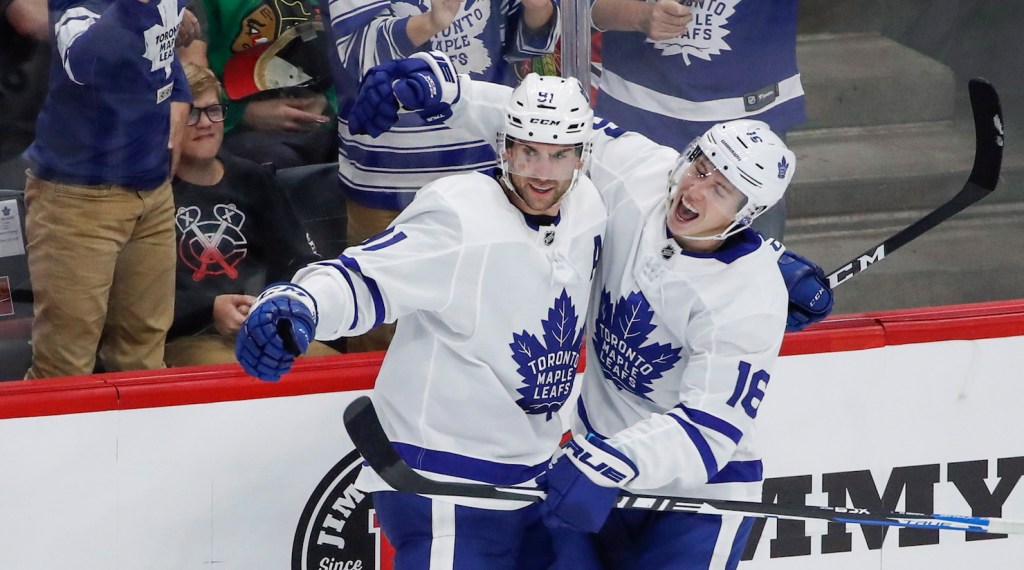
<point>160,37</point>
<point>619,337</point>
<point>783,168</point>
<point>548,368</point>
<point>705,35</point>
<point>462,41</point>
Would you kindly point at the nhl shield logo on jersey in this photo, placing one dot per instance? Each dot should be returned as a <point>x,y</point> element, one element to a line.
<point>338,527</point>
<point>548,368</point>
<point>621,331</point>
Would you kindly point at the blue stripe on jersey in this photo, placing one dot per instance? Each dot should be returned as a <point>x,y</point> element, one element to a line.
<point>710,463</point>
<point>352,288</point>
<point>610,129</point>
<point>709,421</point>
<point>740,472</point>
<point>387,158</point>
<point>455,465</point>
<point>388,242</point>
<point>677,134</point>
<point>378,301</point>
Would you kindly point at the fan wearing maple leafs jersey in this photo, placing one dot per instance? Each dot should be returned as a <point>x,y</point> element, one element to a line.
<point>686,321</point>
<point>100,215</point>
<point>489,279</point>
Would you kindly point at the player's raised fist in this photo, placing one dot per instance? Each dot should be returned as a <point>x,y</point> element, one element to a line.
<point>279,327</point>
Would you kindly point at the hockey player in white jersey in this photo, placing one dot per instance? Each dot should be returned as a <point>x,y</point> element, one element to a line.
<point>489,278</point>
<point>686,321</point>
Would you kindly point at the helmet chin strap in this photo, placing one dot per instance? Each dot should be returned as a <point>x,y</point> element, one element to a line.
<point>507,182</point>
<point>515,190</point>
<point>733,229</point>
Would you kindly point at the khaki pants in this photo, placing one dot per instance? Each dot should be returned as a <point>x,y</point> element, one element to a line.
<point>101,260</point>
<point>363,223</point>
<point>214,348</point>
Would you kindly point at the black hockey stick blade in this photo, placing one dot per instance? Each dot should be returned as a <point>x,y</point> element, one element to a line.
<point>988,160</point>
<point>371,441</point>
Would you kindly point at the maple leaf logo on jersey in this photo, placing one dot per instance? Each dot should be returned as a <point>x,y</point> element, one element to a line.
<point>160,37</point>
<point>463,40</point>
<point>619,336</point>
<point>705,36</point>
<point>549,368</point>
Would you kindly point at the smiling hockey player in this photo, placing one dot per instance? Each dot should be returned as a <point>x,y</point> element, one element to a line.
<point>489,279</point>
<point>687,318</point>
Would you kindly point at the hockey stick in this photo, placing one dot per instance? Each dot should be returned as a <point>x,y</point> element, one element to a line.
<point>372,442</point>
<point>988,158</point>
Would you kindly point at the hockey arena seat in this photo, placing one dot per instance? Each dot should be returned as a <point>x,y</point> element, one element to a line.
<point>319,203</point>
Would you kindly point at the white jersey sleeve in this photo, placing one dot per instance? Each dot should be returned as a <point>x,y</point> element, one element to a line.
<point>480,109</point>
<point>408,267</point>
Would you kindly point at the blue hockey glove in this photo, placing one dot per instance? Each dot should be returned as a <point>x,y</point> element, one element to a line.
<point>425,83</point>
<point>583,484</point>
<point>279,327</point>
<point>810,298</point>
<point>430,92</point>
<point>375,109</point>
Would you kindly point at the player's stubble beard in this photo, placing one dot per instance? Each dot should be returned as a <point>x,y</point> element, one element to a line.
<point>531,202</point>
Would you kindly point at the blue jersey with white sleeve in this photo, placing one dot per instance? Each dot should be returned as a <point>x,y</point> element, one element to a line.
<point>385,172</point>
<point>106,119</point>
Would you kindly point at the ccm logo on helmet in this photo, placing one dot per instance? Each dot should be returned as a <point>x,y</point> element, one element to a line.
<point>552,122</point>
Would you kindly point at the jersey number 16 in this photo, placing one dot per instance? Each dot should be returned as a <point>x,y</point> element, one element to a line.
<point>751,384</point>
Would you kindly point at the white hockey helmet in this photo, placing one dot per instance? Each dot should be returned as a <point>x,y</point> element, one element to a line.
<point>550,110</point>
<point>752,157</point>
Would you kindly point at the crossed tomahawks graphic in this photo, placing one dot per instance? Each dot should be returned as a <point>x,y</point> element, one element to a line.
<point>211,260</point>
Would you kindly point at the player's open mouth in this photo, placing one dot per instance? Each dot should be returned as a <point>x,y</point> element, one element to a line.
<point>685,211</point>
<point>541,189</point>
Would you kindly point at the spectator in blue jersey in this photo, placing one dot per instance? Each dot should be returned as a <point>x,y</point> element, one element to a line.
<point>733,60</point>
<point>100,215</point>
<point>380,176</point>
<point>236,232</point>
<point>271,58</point>
<point>24,61</point>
